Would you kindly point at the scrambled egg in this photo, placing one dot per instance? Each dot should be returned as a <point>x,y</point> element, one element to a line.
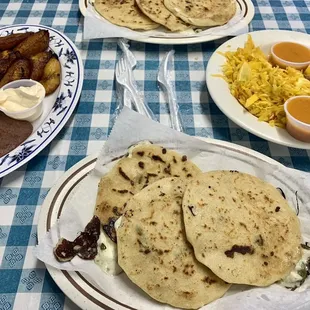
<point>261,88</point>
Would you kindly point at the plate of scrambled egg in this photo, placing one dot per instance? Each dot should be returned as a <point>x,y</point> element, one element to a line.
<point>250,90</point>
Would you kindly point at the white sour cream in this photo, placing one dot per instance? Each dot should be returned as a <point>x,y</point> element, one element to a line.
<point>106,258</point>
<point>294,279</point>
<point>117,224</point>
<point>22,98</point>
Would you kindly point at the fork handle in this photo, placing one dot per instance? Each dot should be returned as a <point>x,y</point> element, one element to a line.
<point>174,112</point>
<point>127,98</point>
<point>139,103</point>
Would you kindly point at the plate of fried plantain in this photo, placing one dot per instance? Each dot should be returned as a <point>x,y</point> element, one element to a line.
<point>49,57</point>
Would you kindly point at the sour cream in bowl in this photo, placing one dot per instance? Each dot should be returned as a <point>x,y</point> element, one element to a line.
<point>22,99</point>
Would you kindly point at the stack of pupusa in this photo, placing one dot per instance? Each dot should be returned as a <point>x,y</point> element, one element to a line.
<point>146,188</point>
<point>175,15</point>
<point>185,236</point>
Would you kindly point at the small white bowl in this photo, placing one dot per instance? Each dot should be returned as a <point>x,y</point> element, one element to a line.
<point>30,114</point>
<point>284,63</point>
<point>296,128</point>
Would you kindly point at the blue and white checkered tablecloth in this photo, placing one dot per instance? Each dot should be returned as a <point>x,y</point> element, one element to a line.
<point>24,281</point>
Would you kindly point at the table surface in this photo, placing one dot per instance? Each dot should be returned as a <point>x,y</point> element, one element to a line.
<point>24,281</point>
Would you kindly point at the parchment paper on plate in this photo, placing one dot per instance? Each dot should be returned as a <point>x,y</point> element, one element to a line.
<point>131,128</point>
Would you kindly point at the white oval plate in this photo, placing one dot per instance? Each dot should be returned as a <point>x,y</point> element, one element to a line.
<point>75,285</point>
<point>229,105</point>
<point>58,106</point>
<point>246,9</point>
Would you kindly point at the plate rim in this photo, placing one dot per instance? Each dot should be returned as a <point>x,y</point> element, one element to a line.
<point>68,113</point>
<point>215,93</point>
<point>66,280</point>
<point>250,11</point>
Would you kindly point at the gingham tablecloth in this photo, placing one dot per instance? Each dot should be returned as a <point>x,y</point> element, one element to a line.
<point>24,281</point>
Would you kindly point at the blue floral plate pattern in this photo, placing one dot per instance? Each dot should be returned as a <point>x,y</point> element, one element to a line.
<point>59,105</point>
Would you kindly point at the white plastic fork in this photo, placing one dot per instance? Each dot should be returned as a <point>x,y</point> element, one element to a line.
<point>132,62</point>
<point>129,56</point>
<point>122,75</point>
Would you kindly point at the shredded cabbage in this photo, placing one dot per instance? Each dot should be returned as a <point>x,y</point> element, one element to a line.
<point>261,88</point>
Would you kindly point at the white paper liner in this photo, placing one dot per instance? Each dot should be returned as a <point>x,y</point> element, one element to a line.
<point>130,128</point>
<point>95,26</point>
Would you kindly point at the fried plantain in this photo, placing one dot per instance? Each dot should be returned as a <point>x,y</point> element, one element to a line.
<point>20,69</point>
<point>34,44</point>
<point>6,60</point>
<point>5,55</point>
<point>51,76</point>
<point>12,40</point>
<point>39,62</point>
